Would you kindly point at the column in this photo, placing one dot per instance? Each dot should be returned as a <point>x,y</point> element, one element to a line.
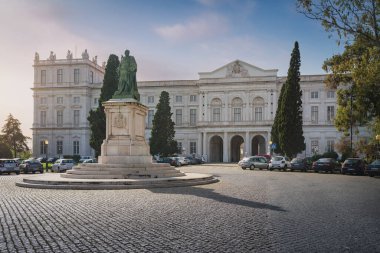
<point>247,151</point>
<point>204,144</point>
<point>225,148</point>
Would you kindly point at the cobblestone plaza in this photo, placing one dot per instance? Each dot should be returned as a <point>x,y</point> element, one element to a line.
<point>247,211</point>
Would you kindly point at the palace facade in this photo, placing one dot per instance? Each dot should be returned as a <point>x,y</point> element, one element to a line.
<point>224,115</point>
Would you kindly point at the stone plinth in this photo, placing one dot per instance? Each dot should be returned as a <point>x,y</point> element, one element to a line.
<point>125,133</point>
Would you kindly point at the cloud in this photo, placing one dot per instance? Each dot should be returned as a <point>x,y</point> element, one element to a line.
<point>196,28</point>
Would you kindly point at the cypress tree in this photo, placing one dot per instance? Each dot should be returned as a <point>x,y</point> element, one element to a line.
<point>289,124</point>
<point>97,118</point>
<point>162,138</point>
<point>275,129</point>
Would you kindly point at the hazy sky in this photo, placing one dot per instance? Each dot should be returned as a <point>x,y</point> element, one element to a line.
<point>170,39</point>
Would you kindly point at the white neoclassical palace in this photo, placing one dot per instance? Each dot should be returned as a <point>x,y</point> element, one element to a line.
<point>224,115</point>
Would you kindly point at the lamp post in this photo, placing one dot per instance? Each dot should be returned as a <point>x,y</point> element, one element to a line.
<point>46,153</point>
<point>270,147</point>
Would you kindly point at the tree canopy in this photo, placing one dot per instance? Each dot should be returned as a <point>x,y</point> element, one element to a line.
<point>356,71</point>
<point>97,118</point>
<point>13,137</point>
<point>287,130</point>
<point>162,138</point>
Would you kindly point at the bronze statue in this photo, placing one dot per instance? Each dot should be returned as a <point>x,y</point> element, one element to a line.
<point>127,87</point>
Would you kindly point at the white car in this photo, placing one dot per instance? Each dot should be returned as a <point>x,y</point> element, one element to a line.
<point>279,162</point>
<point>62,165</point>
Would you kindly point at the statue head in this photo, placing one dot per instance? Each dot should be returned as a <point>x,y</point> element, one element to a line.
<point>126,52</point>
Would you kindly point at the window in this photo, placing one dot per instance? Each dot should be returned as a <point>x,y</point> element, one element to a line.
<point>178,117</point>
<point>43,148</point>
<point>150,99</point>
<point>258,113</point>
<point>43,118</point>
<point>330,146</point>
<point>314,146</point>
<point>60,100</point>
<point>330,94</point>
<point>76,117</point>
<point>216,114</point>
<point>59,147</point>
<point>43,101</point>
<point>91,77</point>
<point>314,94</point>
<point>43,77</point>
<point>193,117</point>
<point>178,99</point>
<point>59,75</point>
<point>330,113</point>
<point>96,101</point>
<point>193,147</point>
<point>76,147</point>
<point>314,114</point>
<point>150,118</point>
<point>193,98</point>
<point>179,147</point>
<point>237,114</point>
<point>76,100</point>
<point>59,118</point>
<point>76,76</point>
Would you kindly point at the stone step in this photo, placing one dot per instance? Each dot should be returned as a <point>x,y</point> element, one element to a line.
<point>53,181</point>
<point>122,176</point>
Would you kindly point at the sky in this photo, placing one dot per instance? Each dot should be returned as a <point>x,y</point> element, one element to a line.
<point>170,39</point>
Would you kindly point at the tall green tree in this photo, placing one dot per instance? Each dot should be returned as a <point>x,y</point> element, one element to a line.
<point>289,124</point>
<point>162,138</point>
<point>13,137</point>
<point>5,151</point>
<point>97,118</point>
<point>275,128</point>
<point>356,71</point>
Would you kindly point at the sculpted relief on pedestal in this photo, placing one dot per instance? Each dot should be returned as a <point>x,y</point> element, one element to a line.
<point>236,70</point>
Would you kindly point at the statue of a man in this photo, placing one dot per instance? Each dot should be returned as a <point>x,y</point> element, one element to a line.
<point>127,87</point>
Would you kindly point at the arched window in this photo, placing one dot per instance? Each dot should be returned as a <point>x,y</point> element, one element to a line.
<point>216,109</point>
<point>258,109</point>
<point>237,109</point>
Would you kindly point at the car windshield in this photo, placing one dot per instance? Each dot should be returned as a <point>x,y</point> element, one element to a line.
<point>278,158</point>
<point>376,162</point>
<point>296,160</point>
<point>325,160</point>
<point>352,161</point>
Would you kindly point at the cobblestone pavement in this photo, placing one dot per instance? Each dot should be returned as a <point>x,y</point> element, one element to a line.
<point>247,211</point>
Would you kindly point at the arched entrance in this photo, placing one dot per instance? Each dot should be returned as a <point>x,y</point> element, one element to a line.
<point>237,148</point>
<point>258,145</point>
<point>216,149</point>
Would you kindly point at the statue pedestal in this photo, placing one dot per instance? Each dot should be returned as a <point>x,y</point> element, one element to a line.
<point>125,133</point>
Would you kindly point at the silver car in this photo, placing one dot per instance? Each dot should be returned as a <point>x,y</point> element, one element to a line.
<point>62,165</point>
<point>8,166</point>
<point>253,162</point>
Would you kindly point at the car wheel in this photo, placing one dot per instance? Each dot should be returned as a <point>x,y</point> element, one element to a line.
<point>243,168</point>
<point>316,171</point>
<point>41,171</point>
<point>252,167</point>
<point>371,175</point>
<point>9,173</point>
<point>18,173</point>
<point>33,171</point>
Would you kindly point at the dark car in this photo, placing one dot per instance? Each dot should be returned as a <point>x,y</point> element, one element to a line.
<point>170,160</point>
<point>8,166</point>
<point>373,169</point>
<point>31,165</point>
<point>253,162</point>
<point>353,166</point>
<point>299,164</point>
<point>194,160</point>
<point>325,164</point>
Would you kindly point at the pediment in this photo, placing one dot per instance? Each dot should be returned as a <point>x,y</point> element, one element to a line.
<point>238,69</point>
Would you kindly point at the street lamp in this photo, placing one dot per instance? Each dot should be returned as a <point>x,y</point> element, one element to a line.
<point>270,147</point>
<point>46,153</point>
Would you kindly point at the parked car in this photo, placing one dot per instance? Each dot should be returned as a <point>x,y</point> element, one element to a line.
<point>88,161</point>
<point>31,165</point>
<point>52,159</point>
<point>62,165</point>
<point>8,166</point>
<point>170,160</point>
<point>353,166</point>
<point>253,162</point>
<point>42,159</point>
<point>279,162</point>
<point>325,164</point>
<point>182,160</point>
<point>373,169</point>
<point>195,160</point>
<point>299,164</point>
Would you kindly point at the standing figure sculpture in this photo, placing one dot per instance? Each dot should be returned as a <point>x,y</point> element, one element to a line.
<point>127,86</point>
